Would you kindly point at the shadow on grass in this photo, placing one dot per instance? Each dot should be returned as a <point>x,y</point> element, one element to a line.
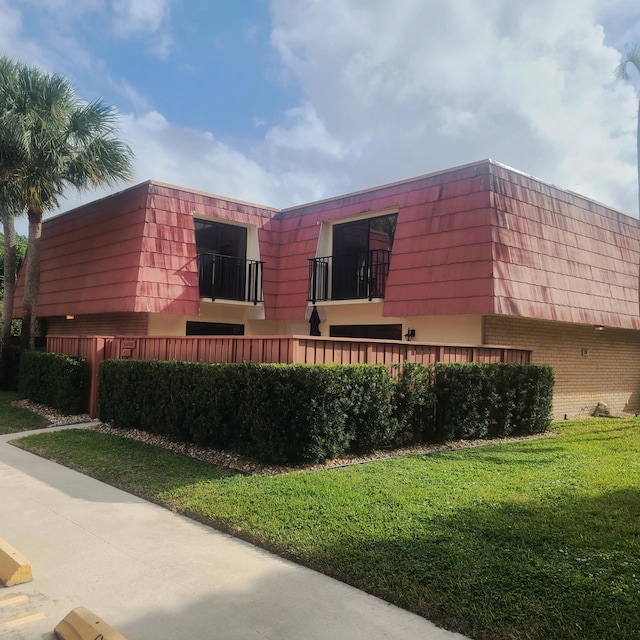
<point>562,568</point>
<point>556,565</point>
<point>506,455</point>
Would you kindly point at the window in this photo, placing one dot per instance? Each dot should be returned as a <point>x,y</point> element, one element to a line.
<point>214,329</point>
<point>223,270</point>
<point>221,239</point>
<point>367,331</point>
<point>361,252</point>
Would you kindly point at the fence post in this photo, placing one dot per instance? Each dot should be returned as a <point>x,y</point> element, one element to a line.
<point>95,358</point>
<point>297,351</point>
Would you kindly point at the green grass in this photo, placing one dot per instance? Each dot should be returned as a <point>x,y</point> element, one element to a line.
<point>14,419</point>
<point>536,539</point>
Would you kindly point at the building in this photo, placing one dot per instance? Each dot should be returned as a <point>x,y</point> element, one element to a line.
<point>479,254</point>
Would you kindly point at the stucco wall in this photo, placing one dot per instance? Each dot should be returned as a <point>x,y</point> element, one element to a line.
<point>438,329</point>
<point>251,316</point>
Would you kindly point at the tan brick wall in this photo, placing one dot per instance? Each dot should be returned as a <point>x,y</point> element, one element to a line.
<point>610,373</point>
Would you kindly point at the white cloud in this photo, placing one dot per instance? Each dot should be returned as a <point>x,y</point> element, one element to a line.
<point>197,160</point>
<point>304,131</point>
<point>393,90</point>
<point>411,87</point>
<point>11,35</point>
<point>134,16</point>
<point>138,101</point>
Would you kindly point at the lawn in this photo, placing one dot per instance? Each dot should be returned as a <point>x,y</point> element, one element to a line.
<point>14,419</point>
<point>536,539</point>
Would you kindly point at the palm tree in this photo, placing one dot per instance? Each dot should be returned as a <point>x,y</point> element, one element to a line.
<point>59,142</point>
<point>9,275</point>
<point>632,57</point>
<point>9,208</point>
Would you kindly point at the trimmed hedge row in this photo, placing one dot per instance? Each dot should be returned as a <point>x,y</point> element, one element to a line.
<point>467,401</point>
<point>57,380</point>
<point>299,413</point>
<point>276,413</point>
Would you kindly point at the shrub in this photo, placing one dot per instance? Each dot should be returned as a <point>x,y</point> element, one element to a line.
<point>299,413</point>
<point>57,380</point>
<point>414,404</point>
<point>276,413</point>
<point>213,416</point>
<point>533,400</point>
<point>293,413</point>
<point>463,398</point>
<point>10,367</point>
<point>477,400</point>
<point>366,392</point>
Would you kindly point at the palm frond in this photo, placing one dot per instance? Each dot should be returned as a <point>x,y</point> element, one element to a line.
<point>631,56</point>
<point>50,140</point>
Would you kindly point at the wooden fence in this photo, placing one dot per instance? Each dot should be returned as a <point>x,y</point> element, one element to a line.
<point>285,349</point>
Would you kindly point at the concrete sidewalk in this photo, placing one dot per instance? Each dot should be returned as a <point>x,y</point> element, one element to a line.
<point>154,575</point>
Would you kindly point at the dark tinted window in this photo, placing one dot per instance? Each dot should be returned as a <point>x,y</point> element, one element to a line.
<point>221,239</point>
<point>214,329</point>
<point>369,331</point>
<point>364,235</point>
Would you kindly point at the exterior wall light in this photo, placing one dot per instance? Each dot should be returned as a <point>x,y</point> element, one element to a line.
<point>410,335</point>
<point>70,317</point>
<point>599,327</point>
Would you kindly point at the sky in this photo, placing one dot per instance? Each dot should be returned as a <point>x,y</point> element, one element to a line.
<point>282,102</point>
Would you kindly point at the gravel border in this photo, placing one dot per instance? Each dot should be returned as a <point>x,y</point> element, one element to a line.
<point>54,417</point>
<point>242,464</point>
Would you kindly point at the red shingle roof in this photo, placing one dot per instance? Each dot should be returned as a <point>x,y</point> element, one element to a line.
<point>477,239</point>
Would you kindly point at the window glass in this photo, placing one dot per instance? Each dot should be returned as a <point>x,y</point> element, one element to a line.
<point>214,329</point>
<point>368,331</point>
<point>221,239</point>
<point>364,235</point>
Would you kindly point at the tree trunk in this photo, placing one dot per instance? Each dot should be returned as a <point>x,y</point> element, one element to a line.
<point>9,230</point>
<point>32,280</point>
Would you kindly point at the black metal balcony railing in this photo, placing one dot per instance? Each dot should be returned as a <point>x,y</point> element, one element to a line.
<point>348,277</point>
<point>229,278</point>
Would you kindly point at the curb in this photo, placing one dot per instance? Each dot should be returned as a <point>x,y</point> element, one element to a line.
<point>14,567</point>
<point>82,624</point>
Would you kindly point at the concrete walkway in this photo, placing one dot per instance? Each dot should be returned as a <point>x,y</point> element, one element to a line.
<point>154,575</point>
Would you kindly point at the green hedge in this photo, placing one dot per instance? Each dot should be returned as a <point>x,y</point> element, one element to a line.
<point>414,403</point>
<point>491,400</point>
<point>57,380</point>
<point>276,413</point>
<point>298,413</point>
<point>9,367</point>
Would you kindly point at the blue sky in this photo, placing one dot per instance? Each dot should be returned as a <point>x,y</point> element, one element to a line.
<point>288,101</point>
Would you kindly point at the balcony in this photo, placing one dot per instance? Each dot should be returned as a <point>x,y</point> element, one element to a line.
<point>228,278</point>
<point>355,276</point>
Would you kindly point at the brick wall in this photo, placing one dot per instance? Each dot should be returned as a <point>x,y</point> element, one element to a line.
<point>610,372</point>
<point>103,324</point>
